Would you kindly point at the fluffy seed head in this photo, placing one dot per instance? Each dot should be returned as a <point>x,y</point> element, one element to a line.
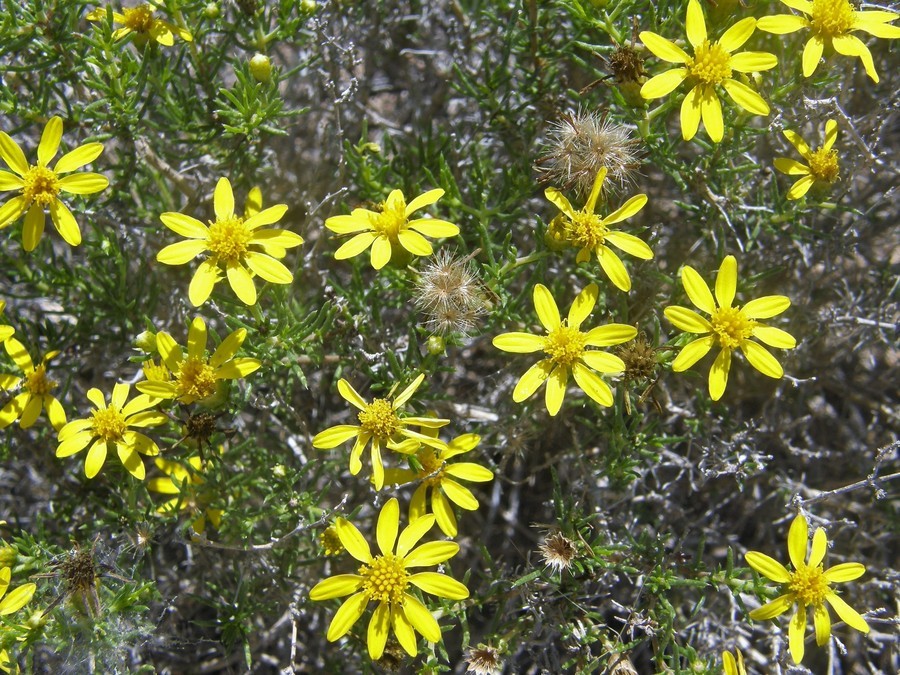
<point>450,295</point>
<point>558,551</point>
<point>484,660</point>
<point>579,145</point>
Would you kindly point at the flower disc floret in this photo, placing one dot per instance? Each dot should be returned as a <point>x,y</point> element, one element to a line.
<point>379,419</point>
<point>832,24</point>
<point>40,185</point>
<point>108,424</point>
<point>712,64</point>
<point>806,585</point>
<point>384,579</point>
<point>731,326</point>
<point>565,345</point>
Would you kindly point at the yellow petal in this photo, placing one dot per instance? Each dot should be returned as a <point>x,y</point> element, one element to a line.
<point>519,343</point>
<point>614,268</point>
<point>738,34</point>
<point>96,457</point>
<point>421,618</point>
<point>798,536</point>
<point>627,210</point>
<point>270,215</point>
<point>77,158</point>
<point>768,567</point>
<point>241,283</point>
<point>33,228</point>
<point>848,615</point>
<point>630,244</point>
<point>791,167</point>
<point>423,200</point>
<point>19,597</point>
<point>592,385</point>
<point>774,337</point>
<point>10,181</point>
<point>185,225</point>
<point>459,495</point>
<point>223,200</point>
<point>353,540</point>
<point>403,629</point>
<point>745,97</point>
<point>532,379</point>
<point>695,25</point>
<point>408,392</point>
<point>381,252</point>
<point>440,585</point>
<point>690,113</point>
<point>850,45</point>
<point>545,306</point>
<point>603,362</point>
<point>411,535</point>
<point>822,622</point>
<point>687,320</point>
<point>801,187</point>
<point>663,48</point>
<point>770,610</point>
<point>431,553</point>
<point>726,281</point>
<point>583,305</point>
<point>334,436</point>
<point>431,227</point>
<point>555,391</point>
<point>718,374</point>
<point>414,242</point>
<point>797,634</point>
<point>377,633</point>
<point>812,54</point>
<point>202,283</point>
<point>65,223</point>
<point>559,201</point>
<point>337,586</point>
<point>845,572</point>
<point>664,83</point>
<point>831,132</point>
<point>181,252</point>
<point>84,183</point>
<point>11,210</point>
<point>12,154</point>
<point>610,334</point>
<point>268,268</point>
<point>697,290</point>
<point>388,526</point>
<point>781,24</point>
<point>347,615</point>
<point>753,62</point>
<point>760,358</point>
<point>50,141</point>
<point>711,113</point>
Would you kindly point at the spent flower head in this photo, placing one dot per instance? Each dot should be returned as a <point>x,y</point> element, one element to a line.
<point>822,168</point>
<point>387,579</point>
<point>142,24</point>
<point>440,478</point>
<point>729,327</point>
<point>197,375</point>
<point>389,231</point>
<point>807,585</point>
<point>832,24</point>
<point>712,64</point>
<point>382,423</point>
<point>590,232</point>
<point>566,347</point>
<point>580,145</point>
<point>450,294</point>
<point>40,186</point>
<point>113,426</point>
<point>558,551</point>
<point>237,245</point>
<point>484,659</point>
<point>35,390</point>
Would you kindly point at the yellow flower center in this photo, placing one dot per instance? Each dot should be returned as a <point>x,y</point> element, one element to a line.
<point>229,239</point>
<point>385,578</point>
<point>379,419</point>
<point>432,466</point>
<point>731,326</point>
<point>196,378</point>
<point>37,383</point>
<point>391,220</point>
<point>108,424</point>
<point>711,64</point>
<point>587,230</point>
<point>330,541</point>
<point>565,344</point>
<point>41,185</point>
<point>155,372</point>
<point>139,19</point>
<point>823,165</point>
<point>809,585</point>
<point>832,17</point>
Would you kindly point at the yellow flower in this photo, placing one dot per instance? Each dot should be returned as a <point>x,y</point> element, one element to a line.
<point>711,65</point>
<point>187,484</point>
<point>233,242</point>
<point>15,600</point>
<point>831,23</point>
<point>732,666</point>
<point>389,231</point>
<point>6,332</point>
<point>566,347</point>
<point>380,423</point>
<point>143,24</point>
<point>40,185</point>
<point>809,585</point>
<point>590,232</point>
<point>386,578</point>
<point>730,327</point>
<point>440,478</point>
<point>196,376</point>
<point>330,541</point>
<point>113,425</point>
<point>823,163</point>
<point>26,406</point>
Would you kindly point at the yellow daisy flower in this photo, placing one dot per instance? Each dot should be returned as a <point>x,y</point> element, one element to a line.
<point>808,585</point>
<point>823,163</point>
<point>196,376</point>
<point>26,406</point>
<point>732,666</point>
<point>590,232</point>
<point>712,64</point>
<point>113,425</point>
<point>186,483</point>
<point>566,347</point>
<point>6,332</point>
<point>440,479</point>
<point>40,185</point>
<point>389,231</point>
<point>233,242</point>
<point>730,327</point>
<point>141,22</point>
<point>380,423</point>
<point>831,23</point>
<point>386,578</point>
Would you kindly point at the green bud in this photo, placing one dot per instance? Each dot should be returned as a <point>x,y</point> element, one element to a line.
<point>146,342</point>
<point>436,345</point>
<point>261,67</point>
<point>211,11</point>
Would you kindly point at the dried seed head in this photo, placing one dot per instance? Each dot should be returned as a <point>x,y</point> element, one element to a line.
<point>581,144</point>
<point>484,660</point>
<point>558,551</point>
<point>79,571</point>
<point>450,295</point>
<point>626,65</point>
<point>639,356</point>
<point>200,427</point>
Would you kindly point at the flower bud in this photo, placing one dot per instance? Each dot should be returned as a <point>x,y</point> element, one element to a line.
<point>261,67</point>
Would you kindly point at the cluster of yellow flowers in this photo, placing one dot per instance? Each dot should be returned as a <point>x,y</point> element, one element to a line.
<point>238,245</point>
